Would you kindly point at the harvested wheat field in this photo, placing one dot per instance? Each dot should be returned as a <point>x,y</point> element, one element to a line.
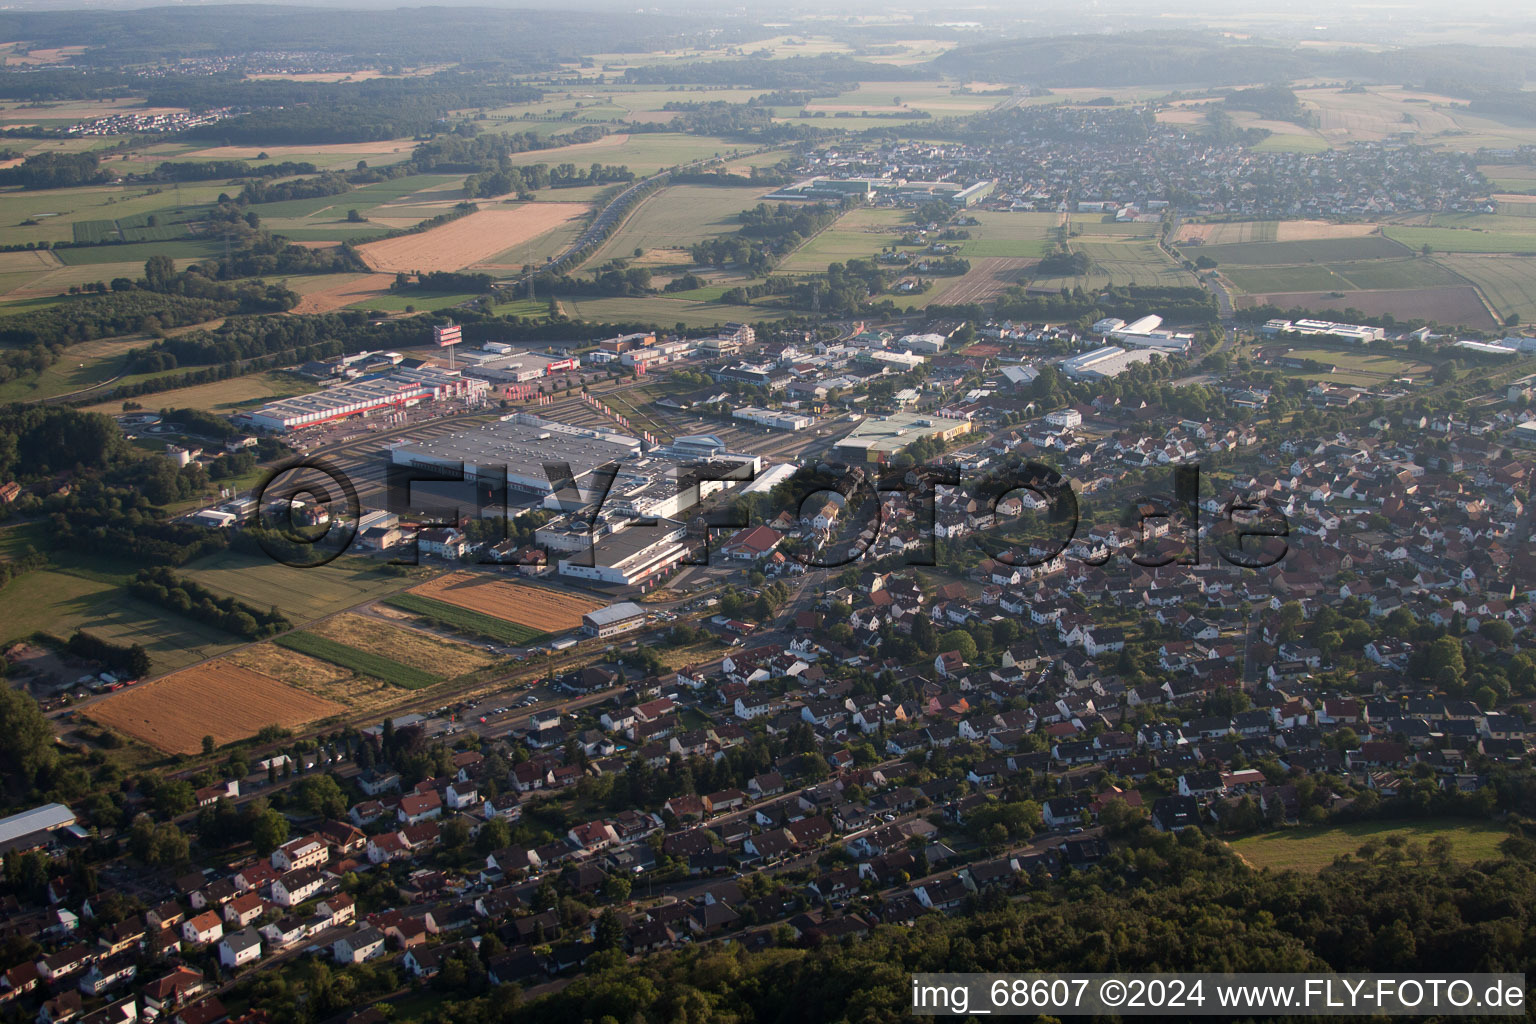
<point>548,611</point>
<point>1311,230</point>
<point>399,643</point>
<point>470,239</point>
<point>291,667</point>
<point>215,699</point>
<point>356,288</point>
<point>28,260</point>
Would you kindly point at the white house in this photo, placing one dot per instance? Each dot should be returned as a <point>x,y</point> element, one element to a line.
<point>240,948</point>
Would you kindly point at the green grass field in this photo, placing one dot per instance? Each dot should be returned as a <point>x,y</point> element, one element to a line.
<point>1376,364</point>
<point>464,620</point>
<point>1324,250</point>
<point>1133,261</point>
<point>1343,277</point>
<point>300,594</point>
<point>644,153</point>
<point>1312,849</point>
<point>222,396</point>
<point>666,310</point>
<point>1260,280</point>
<point>137,252</point>
<point>362,662</point>
<point>60,601</point>
<point>1508,282</point>
<point>858,234</point>
<point>1462,239</point>
<point>676,217</point>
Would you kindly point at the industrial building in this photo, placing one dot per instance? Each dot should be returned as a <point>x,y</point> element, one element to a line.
<point>631,555</point>
<point>397,389</point>
<point>774,419</point>
<point>615,619</point>
<point>501,364</point>
<point>1147,332</point>
<point>1358,333</point>
<point>1102,363</point>
<point>34,829</point>
<point>516,449</point>
<point>878,438</point>
<point>973,194</point>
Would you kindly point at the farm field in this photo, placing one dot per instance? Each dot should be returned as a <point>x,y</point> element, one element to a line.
<point>1135,261</point>
<point>1507,282</point>
<point>857,234</point>
<point>362,662</point>
<point>470,239</point>
<point>1449,304</point>
<point>321,678</point>
<point>335,156</point>
<point>1366,275</point>
<point>215,699</point>
<point>988,277</point>
<point>1228,232</point>
<point>300,594</point>
<point>644,153</point>
<point>84,365</point>
<point>666,310</point>
<point>676,217</point>
<point>525,604</point>
<point>57,211</point>
<point>1448,239</point>
<point>1312,849</point>
<point>398,643</point>
<point>1510,177</point>
<point>1322,250</point>
<point>60,601</point>
<point>1286,279</point>
<point>223,396</point>
<point>463,620</point>
<point>326,292</point>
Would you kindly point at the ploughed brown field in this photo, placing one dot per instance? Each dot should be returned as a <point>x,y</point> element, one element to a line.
<point>548,611</point>
<point>215,699</point>
<point>468,240</point>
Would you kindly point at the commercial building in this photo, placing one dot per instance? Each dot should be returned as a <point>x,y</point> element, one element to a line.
<point>630,555</point>
<point>900,362</point>
<point>31,830</point>
<point>774,419</point>
<point>878,438</point>
<point>516,449</point>
<point>1358,333</point>
<point>1102,363</point>
<point>615,619</point>
<point>1146,333</point>
<point>397,389</point>
<point>923,344</point>
<point>973,194</point>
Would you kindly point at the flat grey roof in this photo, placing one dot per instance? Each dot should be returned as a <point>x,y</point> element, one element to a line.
<point>38,819</point>
<point>522,448</point>
<point>614,613</point>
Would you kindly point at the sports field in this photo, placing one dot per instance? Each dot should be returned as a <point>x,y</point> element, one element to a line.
<point>215,699</point>
<point>1312,849</point>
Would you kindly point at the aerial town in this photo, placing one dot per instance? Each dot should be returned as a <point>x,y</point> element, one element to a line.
<point>694,522</point>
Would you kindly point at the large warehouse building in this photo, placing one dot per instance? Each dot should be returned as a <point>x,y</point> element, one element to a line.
<point>1109,361</point>
<point>519,447</point>
<point>397,389</point>
<point>878,438</point>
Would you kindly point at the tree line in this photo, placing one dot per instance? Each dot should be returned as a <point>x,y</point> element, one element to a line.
<point>192,600</point>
